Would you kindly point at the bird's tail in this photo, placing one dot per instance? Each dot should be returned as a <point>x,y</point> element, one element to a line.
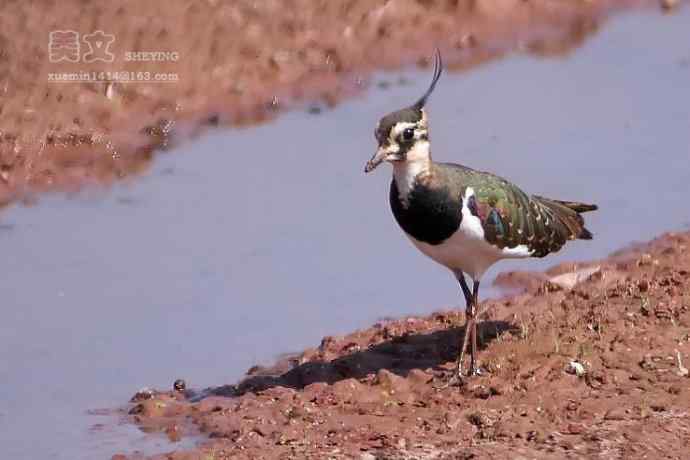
<point>577,207</point>
<point>566,218</point>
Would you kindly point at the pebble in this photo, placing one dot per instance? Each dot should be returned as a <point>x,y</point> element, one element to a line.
<point>576,368</point>
<point>179,385</point>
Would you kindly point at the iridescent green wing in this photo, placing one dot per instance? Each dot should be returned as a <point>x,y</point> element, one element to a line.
<point>510,217</point>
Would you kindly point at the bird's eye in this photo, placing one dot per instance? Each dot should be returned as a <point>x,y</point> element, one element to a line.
<point>408,134</point>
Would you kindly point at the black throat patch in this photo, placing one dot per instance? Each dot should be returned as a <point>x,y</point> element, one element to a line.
<point>430,215</point>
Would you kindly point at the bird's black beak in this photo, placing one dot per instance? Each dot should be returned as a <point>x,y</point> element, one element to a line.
<point>384,153</point>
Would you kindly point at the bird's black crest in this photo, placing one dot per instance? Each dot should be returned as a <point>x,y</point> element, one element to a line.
<point>412,114</point>
<point>438,70</point>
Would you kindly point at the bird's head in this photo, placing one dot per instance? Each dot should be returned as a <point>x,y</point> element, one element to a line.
<point>403,135</point>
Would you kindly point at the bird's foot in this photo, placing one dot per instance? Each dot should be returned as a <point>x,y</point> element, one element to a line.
<point>458,378</point>
<point>454,379</point>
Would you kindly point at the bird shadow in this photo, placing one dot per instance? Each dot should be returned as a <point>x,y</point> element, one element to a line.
<point>399,355</point>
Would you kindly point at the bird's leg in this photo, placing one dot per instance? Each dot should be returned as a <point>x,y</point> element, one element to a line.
<point>473,332</point>
<point>456,378</point>
<point>469,323</point>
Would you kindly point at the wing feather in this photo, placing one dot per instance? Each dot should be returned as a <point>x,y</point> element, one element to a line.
<point>511,217</point>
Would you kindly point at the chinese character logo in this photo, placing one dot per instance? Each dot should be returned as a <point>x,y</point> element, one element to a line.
<point>63,45</point>
<point>98,44</point>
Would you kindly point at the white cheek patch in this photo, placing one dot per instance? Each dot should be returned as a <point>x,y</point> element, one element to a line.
<point>419,152</point>
<point>417,161</point>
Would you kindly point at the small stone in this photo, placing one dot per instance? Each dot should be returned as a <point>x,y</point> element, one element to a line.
<point>576,368</point>
<point>179,385</point>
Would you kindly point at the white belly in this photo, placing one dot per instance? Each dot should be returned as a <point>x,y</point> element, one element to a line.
<point>462,253</point>
<point>466,249</point>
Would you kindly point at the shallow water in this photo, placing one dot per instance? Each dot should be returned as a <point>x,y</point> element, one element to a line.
<point>249,243</point>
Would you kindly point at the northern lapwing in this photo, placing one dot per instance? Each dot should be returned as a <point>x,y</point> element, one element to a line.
<point>464,219</point>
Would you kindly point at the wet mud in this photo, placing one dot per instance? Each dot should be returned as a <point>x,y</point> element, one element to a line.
<point>588,361</point>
